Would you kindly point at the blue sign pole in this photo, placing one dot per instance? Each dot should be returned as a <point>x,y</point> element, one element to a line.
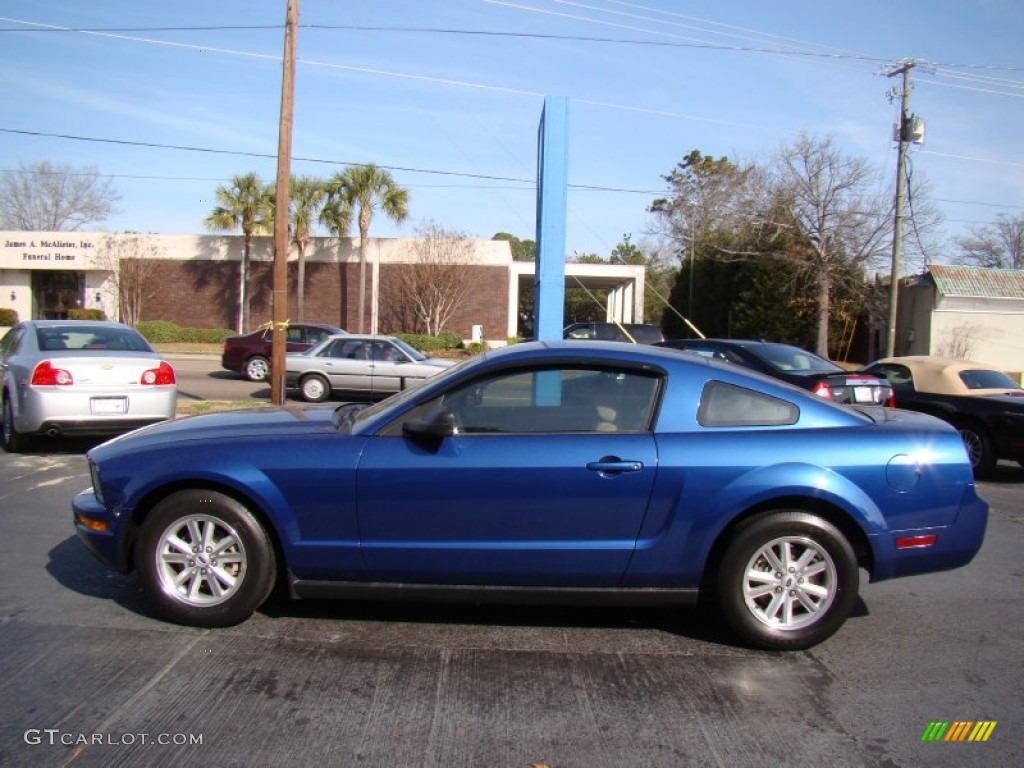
<point>552,195</point>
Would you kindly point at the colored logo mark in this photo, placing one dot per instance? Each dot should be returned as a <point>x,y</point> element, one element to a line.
<point>958,730</point>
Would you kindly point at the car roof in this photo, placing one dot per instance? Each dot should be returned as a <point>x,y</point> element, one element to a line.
<point>363,337</point>
<point>73,323</point>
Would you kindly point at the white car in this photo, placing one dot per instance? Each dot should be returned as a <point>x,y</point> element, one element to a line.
<point>367,366</point>
<point>80,377</point>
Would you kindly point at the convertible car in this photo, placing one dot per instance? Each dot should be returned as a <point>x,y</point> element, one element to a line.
<point>549,472</point>
<point>983,403</point>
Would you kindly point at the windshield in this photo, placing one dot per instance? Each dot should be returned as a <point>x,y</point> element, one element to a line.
<point>410,350</point>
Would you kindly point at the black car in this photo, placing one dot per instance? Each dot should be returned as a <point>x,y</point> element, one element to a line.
<point>796,366</point>
<point>249,354</point>
<point>983,403</point>
<point>634,333</point>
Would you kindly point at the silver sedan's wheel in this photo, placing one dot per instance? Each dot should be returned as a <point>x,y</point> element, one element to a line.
<point>204,559</point>
<point>257,369</point>
<point>787,580</point>
<point>201,560</point>
<point>790,583</point>
<point>314,389</point>
<point>13,441</point>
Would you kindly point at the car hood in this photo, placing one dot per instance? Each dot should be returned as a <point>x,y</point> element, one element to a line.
<point>265,423</point>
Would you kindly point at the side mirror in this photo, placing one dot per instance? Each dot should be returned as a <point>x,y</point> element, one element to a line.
<point>436,425</point>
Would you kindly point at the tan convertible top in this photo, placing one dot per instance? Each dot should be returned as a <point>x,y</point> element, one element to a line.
<point>941,375</point>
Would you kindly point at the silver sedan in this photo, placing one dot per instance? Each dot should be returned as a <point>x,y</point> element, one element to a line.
<point>80,377</point>
<point>367,366</point>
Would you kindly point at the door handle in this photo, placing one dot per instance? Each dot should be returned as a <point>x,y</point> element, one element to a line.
<point>614,466</point>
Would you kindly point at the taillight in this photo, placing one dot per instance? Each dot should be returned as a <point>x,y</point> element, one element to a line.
<point>891,402</point>
<point>158,376</point>
<point>821,390</point>
<point>45,375</point>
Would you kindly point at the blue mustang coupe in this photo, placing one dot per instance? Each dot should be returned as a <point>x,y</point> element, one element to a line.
<point>542,472</point>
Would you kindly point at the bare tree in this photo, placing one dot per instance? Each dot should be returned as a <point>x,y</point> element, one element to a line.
<point>830,201</point>
<point>47,197</point>
<point>959,342</point>
<point>999,245</point>
<point>132,262</point>
<point>432,287</point>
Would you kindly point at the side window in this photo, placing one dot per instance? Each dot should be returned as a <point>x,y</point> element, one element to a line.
<point>726,405</point>
<point>556,401</point>
<point>582,332</point>
<point>384,351</point>
<point>293,335</point>
<point>315,335</point>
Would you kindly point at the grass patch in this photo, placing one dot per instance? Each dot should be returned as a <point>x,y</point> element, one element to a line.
<point>196,407</point>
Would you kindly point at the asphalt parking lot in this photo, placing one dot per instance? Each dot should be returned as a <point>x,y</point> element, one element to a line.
<point>89,678</point>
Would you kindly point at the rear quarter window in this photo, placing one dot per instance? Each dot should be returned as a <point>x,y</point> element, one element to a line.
<point>727,405</point>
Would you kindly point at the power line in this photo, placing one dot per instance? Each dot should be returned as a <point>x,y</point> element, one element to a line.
<point>796,52</point>
<point>272,156</point>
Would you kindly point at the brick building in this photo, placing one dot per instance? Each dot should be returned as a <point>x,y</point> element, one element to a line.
<point>193,280</point>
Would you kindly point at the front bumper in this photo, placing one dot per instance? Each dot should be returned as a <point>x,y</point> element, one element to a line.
<point>106,543</point>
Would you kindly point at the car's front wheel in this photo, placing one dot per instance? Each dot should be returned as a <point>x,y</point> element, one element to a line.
<point>204,559</point>
<point>314,388</point>
<point>787,581</point>
<point>13,441</point>
<point>257,368</point>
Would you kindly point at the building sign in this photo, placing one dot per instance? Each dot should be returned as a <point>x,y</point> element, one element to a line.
<point>43,250</point>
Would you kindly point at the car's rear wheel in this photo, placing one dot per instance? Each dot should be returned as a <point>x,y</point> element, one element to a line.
<point>314,388</point>
<point>788,580</point>
<point>204,559</point>
<point>13,440</point>
<point>979,448</point>
<point>257,368</point>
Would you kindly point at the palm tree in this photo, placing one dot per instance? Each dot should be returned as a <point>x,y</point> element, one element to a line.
<point>245,205</point>
<point>365,188</point>
<point>336,216</point>
<point>307,197</point>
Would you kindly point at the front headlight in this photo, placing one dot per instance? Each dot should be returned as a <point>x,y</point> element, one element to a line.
<point>94,477</point>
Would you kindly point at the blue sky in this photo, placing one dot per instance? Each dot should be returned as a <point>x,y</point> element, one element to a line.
<point>454,113</point>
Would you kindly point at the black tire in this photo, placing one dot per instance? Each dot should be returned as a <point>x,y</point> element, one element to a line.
<point>795,606</point>
<point>314,388</point>
<point>13,441</point>
<point>979,448</point>
<point>227,582</point>
<point>256,368</point>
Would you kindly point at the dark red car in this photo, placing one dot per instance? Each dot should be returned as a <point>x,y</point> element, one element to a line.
<point>249,354</point>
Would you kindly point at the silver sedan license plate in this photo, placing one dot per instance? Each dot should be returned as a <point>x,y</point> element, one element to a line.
<point>109,405</point>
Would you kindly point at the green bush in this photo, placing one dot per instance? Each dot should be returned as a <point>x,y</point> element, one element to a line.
<point>8,317</point>
<point>449,340</point>
<point>425,343</point>
<point>166,332</point>
<point>159,331</point>
<point>477,347</point>
<point>86,314</point>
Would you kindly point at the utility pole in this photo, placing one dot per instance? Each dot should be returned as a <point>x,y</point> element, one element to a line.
<point>903,68</point>
<point>284,162</point>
